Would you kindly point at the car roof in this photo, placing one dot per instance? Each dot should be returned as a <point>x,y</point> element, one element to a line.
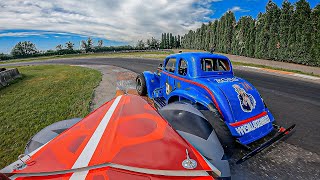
<point>194,59</point>
<point>198,55</point>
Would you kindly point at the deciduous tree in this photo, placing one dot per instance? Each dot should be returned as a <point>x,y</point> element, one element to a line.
<point>69,46</point>
<point>87,45</point>
<point>24,49</point>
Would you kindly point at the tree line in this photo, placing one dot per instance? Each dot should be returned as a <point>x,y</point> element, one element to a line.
<point>27,49</point>
<point>290,33</point>
<point>167,41</point>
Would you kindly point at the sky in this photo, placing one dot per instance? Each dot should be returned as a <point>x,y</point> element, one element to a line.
<point>48,23</point>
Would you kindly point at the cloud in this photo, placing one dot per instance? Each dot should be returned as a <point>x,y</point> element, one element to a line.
<point>27,33</point>
<point>126,20</point>
<point>19,34</point>
<point>238,9</point>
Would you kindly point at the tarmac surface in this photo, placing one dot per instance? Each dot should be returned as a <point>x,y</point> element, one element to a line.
<point>291,100</point>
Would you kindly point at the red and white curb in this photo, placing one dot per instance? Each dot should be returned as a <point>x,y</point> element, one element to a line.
<point>125,81</point>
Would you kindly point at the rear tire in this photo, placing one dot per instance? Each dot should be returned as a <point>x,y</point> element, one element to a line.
<point>141,85</point>
<point>224,135</point>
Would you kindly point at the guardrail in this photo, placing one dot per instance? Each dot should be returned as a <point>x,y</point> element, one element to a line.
<point>8,75</point>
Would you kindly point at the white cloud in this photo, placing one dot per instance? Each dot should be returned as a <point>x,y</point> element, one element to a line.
<point>238,9</point>
<point>19,34</point>
<point>126,20</point>
<point>30,33</point>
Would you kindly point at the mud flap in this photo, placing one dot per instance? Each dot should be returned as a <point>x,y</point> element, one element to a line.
<point>266,144</point>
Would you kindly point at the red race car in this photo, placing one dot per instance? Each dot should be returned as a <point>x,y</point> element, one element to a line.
<point>126,138</point>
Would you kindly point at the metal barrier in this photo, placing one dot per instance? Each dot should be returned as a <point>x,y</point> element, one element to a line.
<point>8,76</point>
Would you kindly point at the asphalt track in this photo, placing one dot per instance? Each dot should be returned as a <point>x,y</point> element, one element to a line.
<point>291,101</point>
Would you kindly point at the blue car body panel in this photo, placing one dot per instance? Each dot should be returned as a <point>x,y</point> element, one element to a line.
<point>152,81</point>
<point>237,101</point>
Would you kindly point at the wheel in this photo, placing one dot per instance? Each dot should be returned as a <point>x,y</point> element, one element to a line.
<point>224,135</point>
<point>141,85</point>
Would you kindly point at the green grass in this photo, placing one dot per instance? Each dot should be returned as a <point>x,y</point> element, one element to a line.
<point>145,55</point>
<point>44,95</point>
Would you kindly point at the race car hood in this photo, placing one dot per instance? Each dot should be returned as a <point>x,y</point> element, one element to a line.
<point>126,134</point>
<point>244,100</point>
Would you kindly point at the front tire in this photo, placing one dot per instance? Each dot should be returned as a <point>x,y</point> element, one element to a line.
<point>141,85</point>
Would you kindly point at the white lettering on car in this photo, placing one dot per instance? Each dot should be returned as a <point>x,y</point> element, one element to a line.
<point>251,126</point>
<point>222,80</point>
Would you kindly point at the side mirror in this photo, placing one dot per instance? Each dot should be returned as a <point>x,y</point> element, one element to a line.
<point>160,66</point>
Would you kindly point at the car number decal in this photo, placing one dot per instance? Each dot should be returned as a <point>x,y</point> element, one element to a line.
<point>168,88</point>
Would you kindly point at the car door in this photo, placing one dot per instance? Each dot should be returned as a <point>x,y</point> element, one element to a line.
<point>167,79</point>
<point>182,72</point>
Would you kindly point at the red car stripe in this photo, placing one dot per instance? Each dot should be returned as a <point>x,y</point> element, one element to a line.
<point>248,120</point>
<point>197,84</point>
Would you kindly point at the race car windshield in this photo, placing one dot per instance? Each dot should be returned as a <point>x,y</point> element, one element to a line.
<point>211,65</point>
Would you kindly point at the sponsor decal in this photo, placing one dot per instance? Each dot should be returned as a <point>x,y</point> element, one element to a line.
<point>247,101</point>
<point>223,80</point>
<point>246,86</point>
<point>251,126</point>
<point>168,88</point>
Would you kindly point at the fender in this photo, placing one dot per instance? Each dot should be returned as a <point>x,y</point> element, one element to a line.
<point>217,97</point>
<point>152,82</point>
<point>202,97</point>
<point>193,126</point>
<point>191,94</point>
<point>48,133</point>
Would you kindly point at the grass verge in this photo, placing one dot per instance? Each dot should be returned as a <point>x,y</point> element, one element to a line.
<point>45,94</point>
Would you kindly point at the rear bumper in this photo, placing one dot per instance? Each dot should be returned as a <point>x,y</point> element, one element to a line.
<point>256,134</point>
<point>256,128</point>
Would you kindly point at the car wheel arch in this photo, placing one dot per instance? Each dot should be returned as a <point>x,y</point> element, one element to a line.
<point>198,104</point>
<point>152,82</point>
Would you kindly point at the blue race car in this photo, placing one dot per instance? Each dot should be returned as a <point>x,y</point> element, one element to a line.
<point>207,81</point>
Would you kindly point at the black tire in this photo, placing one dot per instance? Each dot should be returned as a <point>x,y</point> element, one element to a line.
<point>141,85</point>
<point>224,135</point>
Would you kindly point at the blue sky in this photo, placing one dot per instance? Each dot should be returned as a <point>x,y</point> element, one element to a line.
<point>248,7</point>
<point>49,23</point>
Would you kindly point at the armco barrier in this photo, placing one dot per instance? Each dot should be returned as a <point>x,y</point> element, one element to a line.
<point>8,75</point>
